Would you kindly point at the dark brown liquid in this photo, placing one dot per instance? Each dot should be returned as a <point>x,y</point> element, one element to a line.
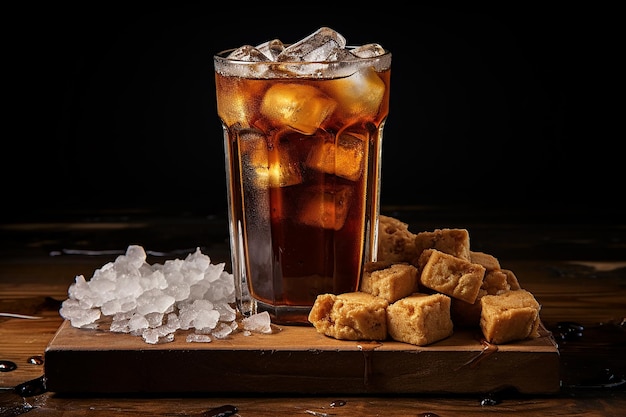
<point>313,240</point>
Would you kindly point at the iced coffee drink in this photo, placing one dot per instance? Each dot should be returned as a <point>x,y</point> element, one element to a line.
<point>303,126</point>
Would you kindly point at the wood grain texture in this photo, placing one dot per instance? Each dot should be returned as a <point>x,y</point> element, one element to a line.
<point>297,360</point>
<point>577,274</point>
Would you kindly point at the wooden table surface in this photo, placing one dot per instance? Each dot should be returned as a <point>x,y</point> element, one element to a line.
<point>575,268</point>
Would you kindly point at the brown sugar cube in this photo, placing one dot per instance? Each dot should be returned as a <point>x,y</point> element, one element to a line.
<point>512,279</point>
<point>495,281</point>
<point>420,319</point>
<point>450,275</point>
<point>466,314</point>
<point>490,262</point>
<point>391,283</point>
<point>454,242</point>
<point>423,259</point>
<point>509,316</point>
<point>395,242</point>
<point>350,316</point>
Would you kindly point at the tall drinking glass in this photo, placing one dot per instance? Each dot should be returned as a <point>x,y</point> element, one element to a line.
<point>303,128</point>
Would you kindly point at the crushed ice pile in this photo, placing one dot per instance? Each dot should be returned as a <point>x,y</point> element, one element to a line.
<point>154,301</point>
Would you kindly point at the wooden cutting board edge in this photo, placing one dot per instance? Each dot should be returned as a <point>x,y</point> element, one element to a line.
<point>296,359</point>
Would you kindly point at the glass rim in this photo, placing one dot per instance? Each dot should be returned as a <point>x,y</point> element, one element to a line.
<point>222,56</point>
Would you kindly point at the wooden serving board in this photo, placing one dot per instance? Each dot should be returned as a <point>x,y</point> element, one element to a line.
<point>296,359</point>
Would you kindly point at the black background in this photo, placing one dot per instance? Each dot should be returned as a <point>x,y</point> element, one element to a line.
<point>113,106</point>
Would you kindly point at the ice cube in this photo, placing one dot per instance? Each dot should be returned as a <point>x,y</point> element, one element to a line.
<point>154,319</point>
<point>153,280</point>
<point>180,291</point>
<point>318,46</point>
<point>173,322</point>
<point>284,165</point>
<point>186,316</point>
<point>126,265</point>
<point>171,266</point>
<point>197,260</point>
<point>102,287</point>
<point>108,271</point>
<point>248,53</point>
<point>198,338</point>
<point>301,107</point>
<point>128,303</point>
<point>201,305</point>
<point>173,276</point>
<point>326,206</point>
<point>77,315</point>
<point>137,322</point>
<point>282,171</point>
<point>127,286</point>
<point>227,285</point>
<point>124,315</point>
<point>151,336</point>
<point>79,289</point>
<point>259,322</point>
<point>135,255</point>
<point>139,303</point>
<point>369,50</point>
<point>346,158</point>
<point>214,272</point>
<point>154,300</point>
<point>111,307</point>
<point>206,319</point>
<point>198,290</point>
<point>233,103</point>
<point>272,49</point>
<point>119,325</point>
<point>360,94</point>
<point>221,331</point>
<point>221,292</point>
<point>227,313</point>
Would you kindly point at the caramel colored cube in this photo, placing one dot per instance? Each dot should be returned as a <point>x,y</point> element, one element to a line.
<point>450,275</point>
<point>454,242</point>
<point>420,319</point>
<point>466,314</point>
<point>512,280</point>
<point>391,283</point>
<point>350,316</point>
<point>490,262</point>
<point>509,316</point>
<point>495,282</point>
<point>395,242</point>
